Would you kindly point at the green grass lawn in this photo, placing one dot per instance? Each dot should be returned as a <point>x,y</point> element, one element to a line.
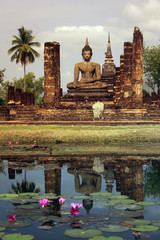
<point>80,138</point>
<point>79,134</point>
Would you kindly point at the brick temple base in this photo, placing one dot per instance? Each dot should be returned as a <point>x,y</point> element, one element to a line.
<point>44,115</point>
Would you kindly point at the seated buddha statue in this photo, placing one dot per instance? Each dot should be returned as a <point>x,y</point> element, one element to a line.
<point>90,72</point>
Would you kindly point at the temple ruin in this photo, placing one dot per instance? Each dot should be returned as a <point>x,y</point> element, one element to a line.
<point>124,84</point>
<point>119,89</point>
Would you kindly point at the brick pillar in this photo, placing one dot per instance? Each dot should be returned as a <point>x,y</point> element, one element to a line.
<point>127,75</point>
<point>121,80</point>
<point>117,86</point>
<point>18,95</point>
<point>137,74</point>
<point>129,179</point>
<point>52,88</point>
<point>32,98</point>
<point>24,98</point>
<point>11,95</point>
<point>53,181</point>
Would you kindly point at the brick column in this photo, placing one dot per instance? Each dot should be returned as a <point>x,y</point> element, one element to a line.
<point>127,74</point>
<point>11,94</point>
<point>53,181</point>
<point>52,88</point>
<point>18,95</point>
<point>121,79</point>
<point>137,74</point>
<point>117,86</point>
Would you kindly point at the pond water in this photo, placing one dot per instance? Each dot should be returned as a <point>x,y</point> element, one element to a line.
<point>118,195</point>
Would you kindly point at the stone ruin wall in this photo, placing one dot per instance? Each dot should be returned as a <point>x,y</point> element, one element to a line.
<point>129,77</point>
<point>52,84</point>
<point>128,91</point>
<point>16,96</point>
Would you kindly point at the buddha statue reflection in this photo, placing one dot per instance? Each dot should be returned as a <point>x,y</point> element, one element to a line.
<point>90,72</point>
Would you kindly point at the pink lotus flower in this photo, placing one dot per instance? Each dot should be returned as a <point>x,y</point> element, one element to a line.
<point>61,201</point>
<point>44,202</point>
<point>16,142</point>
<point>10,143</point>
<point>12,146</point>
<point>12,218</point>
<point>33,145</point>
<point>74,210</point>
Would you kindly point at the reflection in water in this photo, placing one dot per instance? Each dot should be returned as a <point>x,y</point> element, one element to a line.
<point>90,183</point>
<point>88,171</point>
<point>108,175</point>
<point>152,179</point>
<point>126,175</point>
<point>25,186</point>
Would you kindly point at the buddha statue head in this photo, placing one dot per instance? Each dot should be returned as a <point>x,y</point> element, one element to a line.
<point>87,51</point>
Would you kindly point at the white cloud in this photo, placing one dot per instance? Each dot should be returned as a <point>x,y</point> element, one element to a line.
<point>146,16</point>
<point>71,24</point>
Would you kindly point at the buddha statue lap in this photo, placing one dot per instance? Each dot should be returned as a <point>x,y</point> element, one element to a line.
<point>90,72</point>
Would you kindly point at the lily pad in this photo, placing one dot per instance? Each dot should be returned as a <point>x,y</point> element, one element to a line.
<point>2,229</point>
<point>95,218</point>
<point>132,207</point>
<point>113,201</point>
<point>14,224</point>
<point>114,238</point>
<point>81,197</point>
<point>99,199</point>
<point>114,228</point>
<point>120,196</point>
<point>28,206</point>
<point>138,222</point>
<point>2,234</point>
<point>127,201</point>
<point>6,198</point>
<point>123,201</point>
<point>107,204</point>
<point>27,200</point>
<point>48,196</point>
<point>18,201</point>
<point>17,236</point>
<point>125,214</point>
<point>10,195</point>
<point>98,238</point>
<point>81,233</point>
<point>145,228</point>
<point>104,194</point>
<point>64,196</point>
<point>31,194</point>
<point>104,238</point>
<point>157,224</point>
<point>146,203</point>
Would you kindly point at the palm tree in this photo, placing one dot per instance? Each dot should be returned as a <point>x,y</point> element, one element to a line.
<point>22,49</point>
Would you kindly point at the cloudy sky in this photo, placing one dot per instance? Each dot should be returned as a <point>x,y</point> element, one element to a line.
<point>69,22</point>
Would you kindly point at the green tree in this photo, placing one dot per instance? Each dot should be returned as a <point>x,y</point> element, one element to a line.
<point>151,181</point>
<point>33,85</point>
<point>2,75</point>
<point>23,49</point>
<point>152,66</point>
<point>2,102</point>
<point>25,186</point>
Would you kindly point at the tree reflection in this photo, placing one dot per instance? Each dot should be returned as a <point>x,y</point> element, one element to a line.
<point>152,181</point>
<point>25,186</point>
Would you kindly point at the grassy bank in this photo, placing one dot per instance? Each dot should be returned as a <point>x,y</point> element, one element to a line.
<point>26,134</point>
<point>81,139</point>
